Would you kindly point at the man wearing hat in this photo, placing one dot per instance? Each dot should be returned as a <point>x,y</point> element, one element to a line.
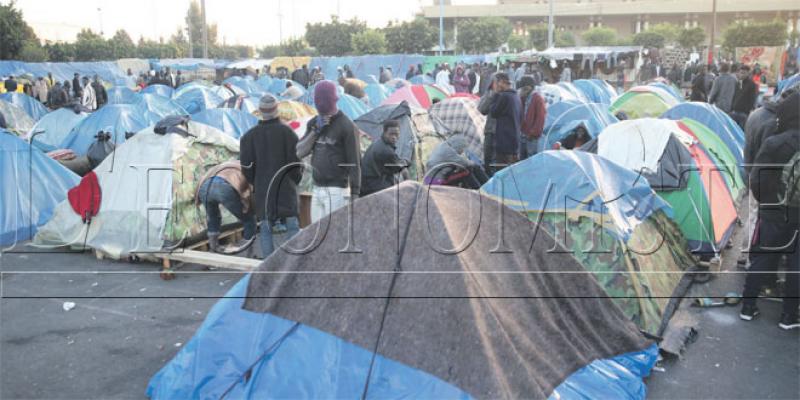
<point>267,153</point>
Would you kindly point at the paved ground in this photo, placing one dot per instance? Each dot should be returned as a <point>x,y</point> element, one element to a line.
<point>109,348</point>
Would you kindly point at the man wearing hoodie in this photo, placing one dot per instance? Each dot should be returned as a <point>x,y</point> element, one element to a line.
<point>507,110</point>
<point>723,90</point>
<point>778,222</point>
<point>332,140</point>
<point>381,163</point>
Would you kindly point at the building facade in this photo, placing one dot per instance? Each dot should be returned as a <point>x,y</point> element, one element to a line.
<point>627,17</point>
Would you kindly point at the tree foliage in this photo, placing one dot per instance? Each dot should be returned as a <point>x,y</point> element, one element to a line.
<point>599,37</point>
<point>669,32</point>
<point>370,41</point>
<point>14,32</point>
<point>333,38</point>
<point>517,43</point>
<point>537,37</point>
<point>194,22</point>
<point>649,39</point>
<point>60,51</point>
<point>122,45</point>
<point>483,34</point>
<point>691,38</point>
<point>412,37</point>
<point>289,48</point>
<point>32,51</point>
<point>564,39</point>
<point>756,34</point>
<point>90,46</point>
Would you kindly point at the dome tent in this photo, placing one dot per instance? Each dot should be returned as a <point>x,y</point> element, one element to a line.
<point>115,119</point>
<point>31,106</point>
<point>158,89</point>
<point>197,99</point>
<point>17,120</point>
<point>121,95</point>
<point>644,102</point>
<point>156,107</point>
<point>55,127</point>
<point>234,123</point>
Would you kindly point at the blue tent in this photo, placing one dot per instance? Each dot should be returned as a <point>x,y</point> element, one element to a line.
<point>248,85</point>
<point>595,90</point>
<point>233,340</point>
<point>156,107</point>
<point>351,106</point>
<point>116,119</point>
<point>278,86</point>
<point>787,83</point>
<point>159,89</point>
<point>121,95</point>
<point>55,128</point>
<point>566,115</point>
<point>17,120</point>
<point>33,185</point>
<point>233,122</point>
<point>198,99</point>
<point>31,106</point>
<point>189,86</point>
<point>669,89</point>
<point>265,82</point>
<point>377,93</point>
<point>422,79</point>
<point>716,120</point>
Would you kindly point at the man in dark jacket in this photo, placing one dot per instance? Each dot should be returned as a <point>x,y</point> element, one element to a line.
<point>268,151</point>
<point>699,85</point>
<point>76,86</point>
<point>778,223</point>
<point>57,97</point>
<point>381,163</point>
<point>99,92</point>
<point>10,84</point>
<point>485,107</point>
<point>332,140</point>
<point>745,97</point>
<point>507,110</point>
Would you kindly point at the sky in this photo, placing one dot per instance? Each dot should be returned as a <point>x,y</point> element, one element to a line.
<point>248,22</point>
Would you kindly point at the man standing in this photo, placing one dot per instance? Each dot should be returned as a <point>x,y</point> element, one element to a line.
<point>267,152</point>
<point>99,92</point>
<point>57,97</point>
<point>534,114</point>
<point>76,86</point>
<point>381,163</point>
<point>178,79</point>
<point>723,89</point>
<point>88,98</point>
<point>485,106</point>
<point>40,90</point>
<point>699,85</point>
<point>566,73</point>
<point>778,222</point>
<point>745,96</point>
<point>331,139</point>
<point>10,84</point>
<point>411,73</point>
<point>226,185</point>
<point>384,75</point>
<point>507,110</point>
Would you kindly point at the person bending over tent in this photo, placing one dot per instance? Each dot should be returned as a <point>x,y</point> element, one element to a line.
<point>381,164</point>
<point>292,92</point>
<point>352,87</point>
<point>226,185</point>
<point>449,165</point>
<point>267,152</point>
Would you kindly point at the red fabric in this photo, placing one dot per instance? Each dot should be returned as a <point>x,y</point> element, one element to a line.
<point>421,95</point>
<point>86,197</point>
<point>533,120</point>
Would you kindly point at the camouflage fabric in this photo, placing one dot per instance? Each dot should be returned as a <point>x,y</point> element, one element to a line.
<point>791,178</point>
<point>625,270</point>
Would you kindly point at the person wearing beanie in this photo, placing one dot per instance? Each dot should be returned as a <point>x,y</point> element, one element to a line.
<point>267,153</point>
<point>332,140</point>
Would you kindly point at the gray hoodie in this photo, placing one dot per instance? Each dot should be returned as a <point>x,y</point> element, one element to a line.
<point>723,91</point>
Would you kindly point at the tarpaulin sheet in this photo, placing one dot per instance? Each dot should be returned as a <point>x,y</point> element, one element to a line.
<point>187,64</point>
<point>115,119</point>
<point>55,128</point>
<point>33,185</point>
<point>107,70</point>
<point>290,63</point>
<point>198,99</point>
<point>247,84</point>
<point>17,120</point>
<point>159,89</point>
<point>31,106</point>
<point>121,95</point>
<point>595,91</point>
<point>228,120</point>
<point>155,107</point>
<point>136,65</point>
<point>788,82</point>
<point>351,106</point>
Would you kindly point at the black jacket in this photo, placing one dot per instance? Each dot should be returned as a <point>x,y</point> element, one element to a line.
<point>379,166</point>
<point>699,88</point>
<point>507,110</point>
<point>57,97</point>
<point>76,87</point>
<point>745,98</point>
<point>100,93</point>
<point>335,145</point>
<point>765,176</point>
<point>269,147</point>
<point>761,124</point>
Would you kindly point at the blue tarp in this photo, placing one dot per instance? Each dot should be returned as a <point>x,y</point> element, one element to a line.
<point>566,115</point>
<point>159,89</point>
<point>190,86</point>
<point>56,126</point>
<point>250,87</point>
<point>351,106</point>
<point>560,180</point>
<point>116,119</point>
<point>233,122</point>
<point>156,107</point>
<point>198,99</point>
<point>33,185</point>
<point>422,80</point>
<point>188,64</point>
<point>787,83</point>
<point>716,120</point>
<point>291,360</point>
<point>264,82</point>
<point>595,90</point>
<point>121,95</point>
<point>377,93</point>
<point>107,70</point>
<point>31,106</point>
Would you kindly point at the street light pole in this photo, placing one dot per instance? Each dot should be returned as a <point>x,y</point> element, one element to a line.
<point>550,27</point>
<point>441,27</point>
<point>205,28</point>
<point>713,31</point>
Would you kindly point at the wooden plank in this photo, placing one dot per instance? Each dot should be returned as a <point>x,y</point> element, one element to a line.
<point>212,260</point>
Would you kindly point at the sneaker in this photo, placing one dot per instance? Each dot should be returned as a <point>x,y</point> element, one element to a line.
<point>789,322</point>
<point>749,311</point>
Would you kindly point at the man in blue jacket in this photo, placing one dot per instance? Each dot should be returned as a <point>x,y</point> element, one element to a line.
<point>507,111</point>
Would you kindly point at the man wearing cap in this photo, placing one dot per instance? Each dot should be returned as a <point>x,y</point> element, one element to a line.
<point>267,152</point>
<point>331,139</point>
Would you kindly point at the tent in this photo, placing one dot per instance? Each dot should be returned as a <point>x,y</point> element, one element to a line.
<point>198,99</point>
<point>566,115</point>
<point>719,154</point>
<point>116,119</point>
<point>377,93</point>
<point>55,128</point>
<point>371,123</point>
<point>265,82</point>
<point>351,106</point>
<point>33,185</point>
<point>159,89</point>
<point>233,122</point>
<point>278,86</point>
<point>289,110</point>
<point>787,83</point>
<point>460,115</point>
<point>17,120</point>
<point>155,107</point>
<point>121,95</point>
<point>226,90</point>
<point>131,219</point>
<point>611,220</point>
<point>596,90</point>
<point>680,169</point>
<point>248,85</point>
<point>644,102</point>
<point>31,106</point>
<point>191,85</point>
<point>716,120</point>
<point>248,104</point>
<point>669,88</point>
<point>360,330</point>
<point>554,93</point>
<point>420,96</point>
<point>422,80</point>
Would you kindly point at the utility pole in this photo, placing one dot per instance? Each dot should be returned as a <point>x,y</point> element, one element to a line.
<point>100,16</point>
<point>280,23</point>
<point>713,31</point>
<point>441,27</point>
<point>550,27</point>
<point>205,28</point>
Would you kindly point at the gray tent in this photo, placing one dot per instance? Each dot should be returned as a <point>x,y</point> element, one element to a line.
<point>372,124</point>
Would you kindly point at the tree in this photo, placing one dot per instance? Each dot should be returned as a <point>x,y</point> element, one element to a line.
<point>194,20</point>
<point>517,43</point>
<point>60,51</point>
<point>32,51</point>
<point>333,38</point>
<point>649,39</point>
<point>122,45</point>
<point>290,48</point>
<point>90,46</point>
<point>565,39</point>
<point>370,41</point>
<point>180,42</point>
<point>483,34</point>
<point>600,37</point>
<point>757,34</point>
<point>14,32</point>
<point>537,37</point>
<point>669,32</point>
<point>691,38</point>
<point>412,37</point>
